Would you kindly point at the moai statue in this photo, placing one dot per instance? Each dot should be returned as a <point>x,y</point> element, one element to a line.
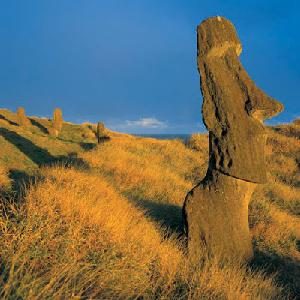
<point>57,123</point>
<point>23,121</point>
<point>101,133</point>
<point>215,212</point>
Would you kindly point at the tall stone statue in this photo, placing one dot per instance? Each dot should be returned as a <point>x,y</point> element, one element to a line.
<point>234,108</point>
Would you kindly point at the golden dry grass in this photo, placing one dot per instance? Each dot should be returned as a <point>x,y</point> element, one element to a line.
<point>4,178</point>
<point>105,223</point>
<point>135,164</point>
<point>77,237</point>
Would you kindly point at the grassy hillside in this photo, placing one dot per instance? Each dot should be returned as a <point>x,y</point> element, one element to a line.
<point>80,220</point>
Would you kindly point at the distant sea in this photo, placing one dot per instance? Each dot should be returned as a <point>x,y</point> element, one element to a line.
<point>166,136</point>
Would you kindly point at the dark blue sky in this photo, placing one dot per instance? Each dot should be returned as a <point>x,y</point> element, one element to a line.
<point>132,63</point>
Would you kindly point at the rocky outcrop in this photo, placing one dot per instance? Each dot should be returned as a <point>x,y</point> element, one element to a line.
<point>234,108</point>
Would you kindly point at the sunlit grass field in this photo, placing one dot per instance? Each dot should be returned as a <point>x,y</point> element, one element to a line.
<point>85,221</point>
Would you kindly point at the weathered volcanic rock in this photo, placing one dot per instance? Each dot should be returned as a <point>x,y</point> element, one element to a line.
<point>216,216</point>
<point>233,106</point>
<point>216,211</point>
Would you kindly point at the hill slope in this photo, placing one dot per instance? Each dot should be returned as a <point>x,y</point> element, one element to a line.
<point>105,220</point>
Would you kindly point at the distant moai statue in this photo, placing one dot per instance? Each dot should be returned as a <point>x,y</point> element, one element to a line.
<point>101,132</point>
<point>215,212</point>
<point>57,122</point>
<point>23,121</point>
<point>57,119</point>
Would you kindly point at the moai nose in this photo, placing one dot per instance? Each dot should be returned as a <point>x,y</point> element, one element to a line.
<point>259,105</point>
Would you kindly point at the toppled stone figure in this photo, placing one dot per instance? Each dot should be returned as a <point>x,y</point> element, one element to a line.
<point>216,210</point>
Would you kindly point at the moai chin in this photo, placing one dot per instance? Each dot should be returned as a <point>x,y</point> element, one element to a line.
<point>216,210</point>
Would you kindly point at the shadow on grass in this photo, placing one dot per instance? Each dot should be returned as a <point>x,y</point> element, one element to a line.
<point>90,146</point>
<point>41,127</point>
<point>14,196</point>
<point>39,156</point>
<point>72,160</point>
<point>169,215</point>
<point>84,145</point>
<point>103,139</point>
<point>9,121</point>
<point>293,181</point>
<point>36,154</point>
<point>286,270</point>
<point>87,146</point>
<point>20,181</point>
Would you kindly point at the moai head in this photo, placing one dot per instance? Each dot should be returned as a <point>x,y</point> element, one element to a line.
<point>233,106</point>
